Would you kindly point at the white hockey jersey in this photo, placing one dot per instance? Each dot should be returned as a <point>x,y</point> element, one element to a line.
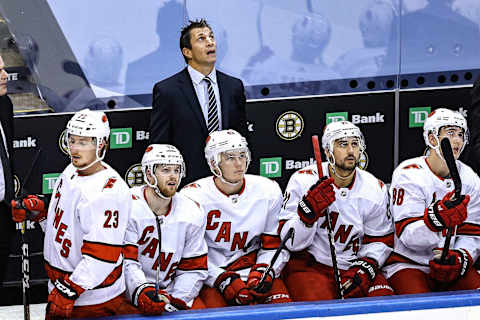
<point>361,222</point>
<point>241,229</point>
<point>183,259</point>
<point>414,187</point>
<point>84,232</point>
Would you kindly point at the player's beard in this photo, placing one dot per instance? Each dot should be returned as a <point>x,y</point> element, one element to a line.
<point>167,191</point>
<point>347,168</point>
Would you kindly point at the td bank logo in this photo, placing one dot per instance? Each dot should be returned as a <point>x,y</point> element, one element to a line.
<point>48,182</point>
<point>271,167</point>
<point>121,138</point>
<point>417,116</point>
<point>336,116</point>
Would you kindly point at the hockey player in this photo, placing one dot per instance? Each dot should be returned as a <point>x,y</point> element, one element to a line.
<point>168,224</point>
<point>85,227</point>
<point>242,222</point>
<point>423,208</point>
<point>362,227</point>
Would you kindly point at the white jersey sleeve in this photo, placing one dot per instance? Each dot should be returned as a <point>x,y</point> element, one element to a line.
<point>297,187</point>
<point>408,203</point>
<point>377,241</point>
<point>103,219</point>
<point>270,239</point>
<point>192,269</point>
<point>468,233</point>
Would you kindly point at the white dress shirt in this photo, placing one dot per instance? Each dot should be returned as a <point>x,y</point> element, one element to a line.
<point>201,89</point>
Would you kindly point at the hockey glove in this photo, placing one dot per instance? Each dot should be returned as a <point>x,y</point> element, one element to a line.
<point>148,302</point>
<point>359,277</point>
<point>454,267</point>
<point>317,199</point>
<point>62,298</point>
<point>233,289</point>
<point>380,287</point>
<point>35,205</point>
<point>256,272</point>
<point>446,213</point>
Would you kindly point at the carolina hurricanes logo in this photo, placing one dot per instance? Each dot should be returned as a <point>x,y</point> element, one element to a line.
<point>149,148</point>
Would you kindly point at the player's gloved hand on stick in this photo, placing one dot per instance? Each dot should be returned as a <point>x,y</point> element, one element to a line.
<point>455,265</point>
<point>149,303</point>
<point>256,273</point>
<point>318,198</point>
<point>62,298</point>
<point>233,289</point>
<point>35,205</point>
<point>446,213</point>
<point>359,277</point>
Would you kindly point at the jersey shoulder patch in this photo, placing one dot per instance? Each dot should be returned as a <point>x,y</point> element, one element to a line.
<point>110,182</point>
<point>412,166</point>
<point>307,171</point>
<point>192,185</point>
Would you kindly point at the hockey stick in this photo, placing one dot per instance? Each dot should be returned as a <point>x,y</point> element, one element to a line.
<point>290,234</point>
<point>457,183</point>
<point>336,272</point>
<point>25,248</point>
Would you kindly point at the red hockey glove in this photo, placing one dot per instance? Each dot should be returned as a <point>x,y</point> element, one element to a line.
<point>454,267</point>
<point>445,213</point>
<point>359,277</point>
<point>380,287</point>
<point>62,298</point>
<point>233,289</point>
<point>256,273</point>
<point>149,303</point>
<point>36,206</point>
<point>317,199</point>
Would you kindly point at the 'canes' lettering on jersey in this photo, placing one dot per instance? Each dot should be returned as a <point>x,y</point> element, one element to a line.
<point>84,232</point>
<point>414,187</point>
<point>241,229</point>
<point>183,258</point>
<point>360,221</point>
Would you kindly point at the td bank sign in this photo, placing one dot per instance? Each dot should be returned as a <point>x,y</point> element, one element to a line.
<point>417,116</point>
<point>378,117</point>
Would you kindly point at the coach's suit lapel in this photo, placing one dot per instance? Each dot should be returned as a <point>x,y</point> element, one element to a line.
<point>222,88</point>
<point>186,87</point>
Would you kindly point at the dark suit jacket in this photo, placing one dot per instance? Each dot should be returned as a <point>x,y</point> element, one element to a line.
<point>6,223</point>
<point>177,117</point>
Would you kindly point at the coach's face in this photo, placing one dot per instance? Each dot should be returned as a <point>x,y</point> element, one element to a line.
<point>204,48</point>
<point>3,78</point>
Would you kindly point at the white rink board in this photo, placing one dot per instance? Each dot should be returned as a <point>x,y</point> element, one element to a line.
<point>463,313</point>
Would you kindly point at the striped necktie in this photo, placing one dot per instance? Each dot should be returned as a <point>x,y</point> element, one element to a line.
<point>212,118</point>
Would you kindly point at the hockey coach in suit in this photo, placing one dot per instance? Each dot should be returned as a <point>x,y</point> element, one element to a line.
<point>196,101</point>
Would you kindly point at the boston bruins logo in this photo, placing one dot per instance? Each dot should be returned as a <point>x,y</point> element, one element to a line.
<point>134,175</point>
<point>290,125</point>
<point>62,142</point>
<point>16,185</point>
<point>363,161</point>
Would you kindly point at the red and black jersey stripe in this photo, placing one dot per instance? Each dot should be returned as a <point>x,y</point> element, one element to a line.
<point>102,251</point>
<point>386,239</point>
<point>130,252</point>
<point>468,229</point>
<point>270,242</point>
<point>193,263</point>
<point>402,224</point>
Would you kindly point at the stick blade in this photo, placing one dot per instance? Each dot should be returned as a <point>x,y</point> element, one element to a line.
<point>318,155</point>
<point>451,164</point>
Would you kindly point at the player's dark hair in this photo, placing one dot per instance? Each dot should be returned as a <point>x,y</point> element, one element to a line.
<point>185,36</point>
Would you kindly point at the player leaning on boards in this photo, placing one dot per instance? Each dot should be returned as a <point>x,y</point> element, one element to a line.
<point>361,224</point>
<point>423,208</point>
<point>242,223</point>
<point>85,227</point>
<point>165,248</point>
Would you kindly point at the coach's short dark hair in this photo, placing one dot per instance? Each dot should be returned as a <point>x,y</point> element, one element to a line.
<point>185,35</point>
